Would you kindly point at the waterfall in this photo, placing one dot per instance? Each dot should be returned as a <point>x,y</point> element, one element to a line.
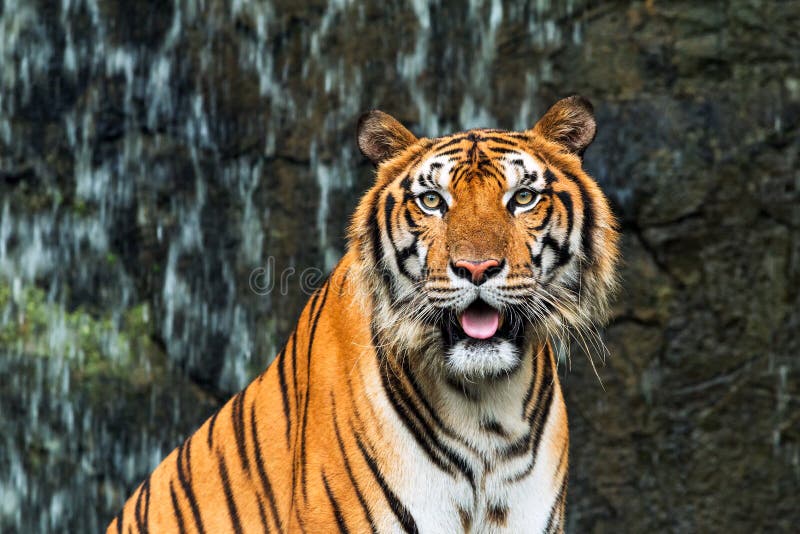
<point>152,155</point>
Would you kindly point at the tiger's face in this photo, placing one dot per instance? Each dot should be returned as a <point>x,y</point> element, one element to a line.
<point>486,238</point>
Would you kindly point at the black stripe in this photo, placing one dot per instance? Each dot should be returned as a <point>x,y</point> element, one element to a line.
<point>233,513</point>
<point>587,242</point>
<point>141,515</point>
<point>497,514</point>
<point>262,514</point>
<point>285,388</point>
<point>530,177</point>
<point>377,248</point>
<point>146,518</point>
<point>517,448</point>
<point>377,245</point>
<point>427,181</point>
<point>349,470</point>
<point>300,522</point>
<point>494,427</point>
<point>459,174</point>
<point>210,438</point>
<point>398,508</point>
<point>120,517</point>
<point>546,219</point>
<point>404,254</point>
<point>294,375</point>
<point>451,142</point>
<point>503,150</point>
<point>337,512</point>
<point>500,140</point>
<point>237,419</point>
<point>313,309</point>
<point>547,373</point>
<point>545,351</point>
<point>566,199</point>
<point>553,519</point>
<point>344,281</point>
<point>538,422</point>
<point>388,207</point>
<point>262,474</point>
<point>542,414</point>
<point>311,336</point>
<point>410,220</point>
<point>177,509</point>
<point>450,152</point>
<point>184,477</point>
<point>563,255</point>
<point>296,398</point>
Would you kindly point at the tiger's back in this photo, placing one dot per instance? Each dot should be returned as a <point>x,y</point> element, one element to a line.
<point>249,469</point>
<point>419,391</point>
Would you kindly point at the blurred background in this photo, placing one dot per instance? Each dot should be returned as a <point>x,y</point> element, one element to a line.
<point>154,153</point>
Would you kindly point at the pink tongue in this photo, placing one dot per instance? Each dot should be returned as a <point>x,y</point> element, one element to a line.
<point>480,322</point>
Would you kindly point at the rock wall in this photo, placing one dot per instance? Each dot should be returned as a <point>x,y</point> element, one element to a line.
<point>154,154</point>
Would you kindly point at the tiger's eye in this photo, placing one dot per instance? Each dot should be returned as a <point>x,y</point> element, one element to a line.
<point>523,197</point>
<point>432,200</point>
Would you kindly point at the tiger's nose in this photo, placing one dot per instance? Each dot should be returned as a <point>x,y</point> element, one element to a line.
<point>477,271</point>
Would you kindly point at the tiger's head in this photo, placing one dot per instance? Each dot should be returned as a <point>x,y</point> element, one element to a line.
<point>476,242</point>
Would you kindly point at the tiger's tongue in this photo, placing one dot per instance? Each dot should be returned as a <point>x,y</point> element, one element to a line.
<point>480,321</point>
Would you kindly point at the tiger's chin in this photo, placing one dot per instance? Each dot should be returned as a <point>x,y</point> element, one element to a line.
<point>475,360</point>
<point>480,345</point>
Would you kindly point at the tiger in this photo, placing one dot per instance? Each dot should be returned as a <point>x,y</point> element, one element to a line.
<point>419,391</point>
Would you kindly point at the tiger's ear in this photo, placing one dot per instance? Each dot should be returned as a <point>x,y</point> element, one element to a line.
<point>570,123</point>
<point>381,136</point>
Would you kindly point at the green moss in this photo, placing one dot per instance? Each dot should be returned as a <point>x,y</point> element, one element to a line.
<point>93,346</point>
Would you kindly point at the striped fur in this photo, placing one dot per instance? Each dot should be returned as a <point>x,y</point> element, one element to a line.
<point>373,418</point>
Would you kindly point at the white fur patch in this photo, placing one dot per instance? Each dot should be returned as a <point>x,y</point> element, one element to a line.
<point>479,359</point>
<point>519,164</point>
<point>434,174</point>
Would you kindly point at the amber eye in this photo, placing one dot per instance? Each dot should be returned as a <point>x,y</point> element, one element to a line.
<point>431,200</point>
<point>523,197</point>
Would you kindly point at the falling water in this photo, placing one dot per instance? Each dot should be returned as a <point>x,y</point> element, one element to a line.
<point>152,156</point>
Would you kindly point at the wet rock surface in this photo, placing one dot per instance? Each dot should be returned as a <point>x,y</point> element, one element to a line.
<point>153,155</point>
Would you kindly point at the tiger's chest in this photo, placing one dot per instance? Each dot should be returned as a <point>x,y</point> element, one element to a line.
<point>506,497</point>
<point>510,477</point>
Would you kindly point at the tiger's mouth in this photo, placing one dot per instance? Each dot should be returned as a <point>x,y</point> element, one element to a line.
<point>479,323</point>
